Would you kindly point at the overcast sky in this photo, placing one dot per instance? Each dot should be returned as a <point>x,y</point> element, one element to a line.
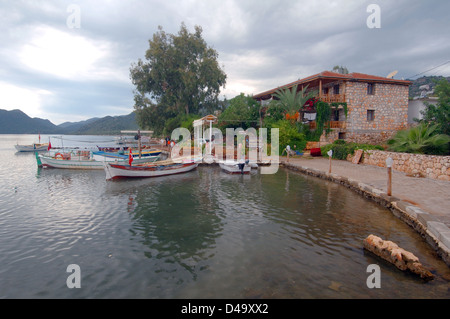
<point>70,60</point>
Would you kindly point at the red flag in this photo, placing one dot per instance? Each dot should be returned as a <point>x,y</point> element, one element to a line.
<point>130,157</point>
<point>49,145</point>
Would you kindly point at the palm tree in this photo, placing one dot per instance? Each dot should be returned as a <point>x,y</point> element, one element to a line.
<point>291,100</point>
<point>421,139</point>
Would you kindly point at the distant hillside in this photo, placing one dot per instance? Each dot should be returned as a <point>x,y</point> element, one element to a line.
<point>75,126</point>
<point>109,125</point>
<point>17,122</point>
<point>414,90</point>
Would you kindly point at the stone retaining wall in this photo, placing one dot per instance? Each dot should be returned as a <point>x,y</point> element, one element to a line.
<point>432,166</point>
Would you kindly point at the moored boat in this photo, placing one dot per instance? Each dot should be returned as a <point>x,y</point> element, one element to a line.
<point>35,147</point>
<point>146,156</point>
<point>233,167</point>
<point>81,159</point>
<point>159,168</point>
<point>70,160</point>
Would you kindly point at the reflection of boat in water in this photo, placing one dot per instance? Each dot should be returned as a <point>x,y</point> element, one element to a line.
<point>78,159</point>
<point>35,147</point>
<point>233,167</point>
<point>159,168</point>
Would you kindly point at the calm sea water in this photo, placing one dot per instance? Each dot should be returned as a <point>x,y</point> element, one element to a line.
<point>204,234</point>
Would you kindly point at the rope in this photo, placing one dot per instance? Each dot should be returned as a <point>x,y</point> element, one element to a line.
<point>94,142</point>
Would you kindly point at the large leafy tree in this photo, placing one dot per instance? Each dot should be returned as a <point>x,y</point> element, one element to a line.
<point>242,111</point>
<point>180,75</point>
<point>440,113</point>
<point>340,69</point>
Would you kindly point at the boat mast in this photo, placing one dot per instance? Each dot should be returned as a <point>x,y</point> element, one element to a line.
<point>138,132</point>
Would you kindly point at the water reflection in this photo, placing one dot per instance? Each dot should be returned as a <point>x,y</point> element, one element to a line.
<point>174,218</point>
<point>203,234</point>
<point>210,234</point>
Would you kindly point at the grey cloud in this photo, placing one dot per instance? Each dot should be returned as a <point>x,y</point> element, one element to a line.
<point>262,44</point>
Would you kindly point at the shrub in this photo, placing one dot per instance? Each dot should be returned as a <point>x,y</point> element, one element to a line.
<point>339,142</point>
<point>342,149</point>
<point>289,135</point>
<point>421,139</point>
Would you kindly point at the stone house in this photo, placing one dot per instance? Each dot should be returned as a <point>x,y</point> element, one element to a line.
<point>377,107</point>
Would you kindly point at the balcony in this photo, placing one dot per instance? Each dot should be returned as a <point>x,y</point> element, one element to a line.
<point>332,98</point>
<point>330,124</point>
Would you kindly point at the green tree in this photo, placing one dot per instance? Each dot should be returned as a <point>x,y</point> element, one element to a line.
<point>242,111</point>
<point>340,69</point>
<point>274,112</point>
<point>291,99</point>
<point>421,139</point>
<point>180,74</point>
<point>439,113</point>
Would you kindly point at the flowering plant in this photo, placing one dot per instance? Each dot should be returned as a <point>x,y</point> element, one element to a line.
<point>310,104</point>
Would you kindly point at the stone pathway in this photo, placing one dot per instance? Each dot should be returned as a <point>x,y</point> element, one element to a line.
<point>424,200</point>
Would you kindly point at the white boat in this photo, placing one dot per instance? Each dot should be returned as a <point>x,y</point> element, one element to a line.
<point>78,159</point>
<point>234,167</point>
<point>35,147</point>
<point>160,168</point>
<point>71,160</point>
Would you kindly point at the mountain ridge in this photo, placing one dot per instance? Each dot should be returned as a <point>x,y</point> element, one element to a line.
<point>17,122</point>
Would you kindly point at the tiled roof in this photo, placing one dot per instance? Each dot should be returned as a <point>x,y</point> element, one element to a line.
<point>335,76</point>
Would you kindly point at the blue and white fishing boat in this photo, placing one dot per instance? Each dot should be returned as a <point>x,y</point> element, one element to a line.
<point>145,156</point>
<point>85,159</point>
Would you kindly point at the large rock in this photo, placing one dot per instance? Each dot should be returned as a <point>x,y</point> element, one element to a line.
<point>401,258</point>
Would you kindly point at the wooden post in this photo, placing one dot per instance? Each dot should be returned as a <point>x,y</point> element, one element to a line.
<point>330,155</point>
<point>320,89</point>
<point>389,162</point>
<point>288,150</point>
<point>389,187</point>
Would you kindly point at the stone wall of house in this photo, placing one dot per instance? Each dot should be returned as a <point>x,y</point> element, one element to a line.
<point>330,137</point>
<point>378,137</point>
<point>389,105</point>
<point>418,165</point>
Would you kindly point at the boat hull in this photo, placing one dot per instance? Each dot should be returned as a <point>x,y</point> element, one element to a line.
<point>234,168</point>
<point>31,148</point>
<point>50,162</point>
<point>116,171</point>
